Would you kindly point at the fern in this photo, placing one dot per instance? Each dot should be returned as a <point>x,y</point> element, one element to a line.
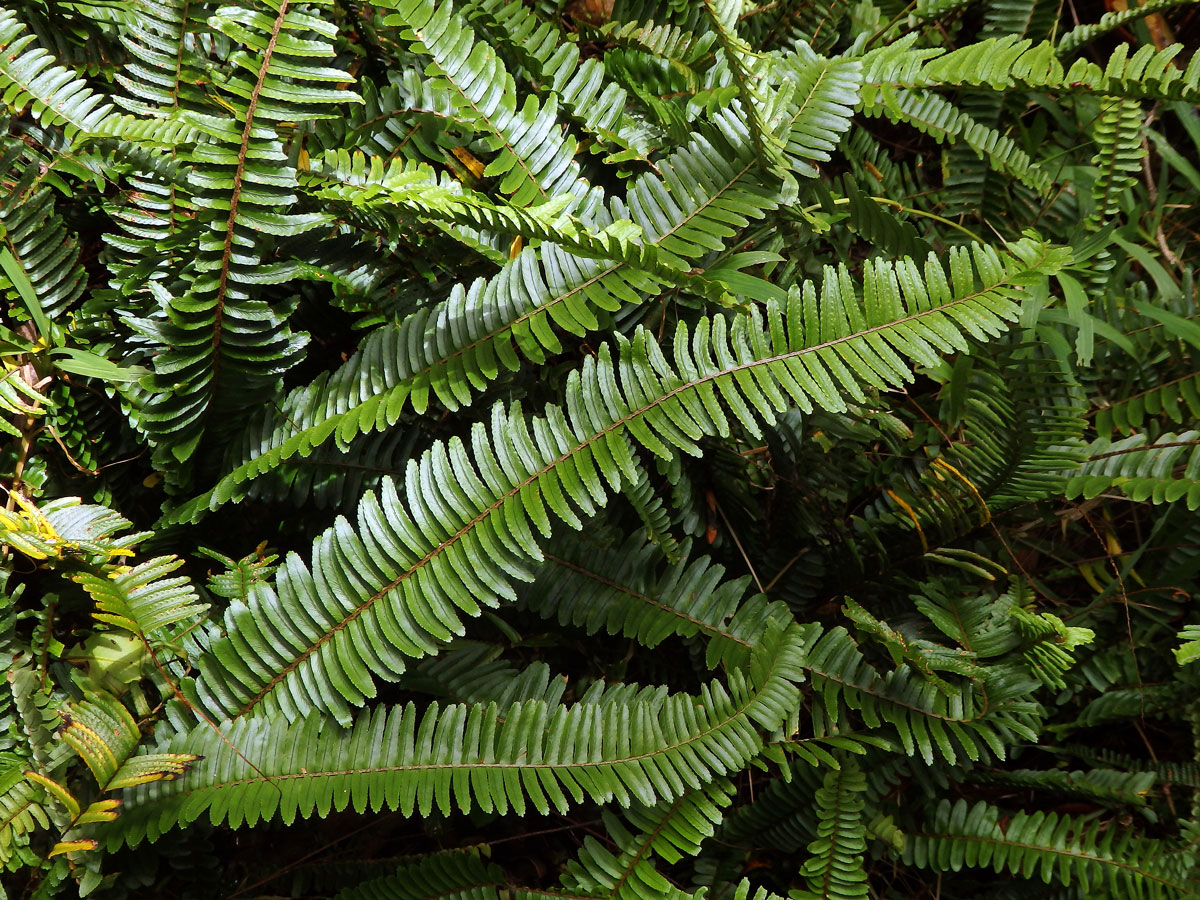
<point>1143,469</point>
<point>429,569</point>
<point>649,747</point>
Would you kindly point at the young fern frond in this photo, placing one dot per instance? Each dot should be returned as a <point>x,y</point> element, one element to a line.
<point>1082,35</point>
<point>1119,153</point>
<point>468,529</point>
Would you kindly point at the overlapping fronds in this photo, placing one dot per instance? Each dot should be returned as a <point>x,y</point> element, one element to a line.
<point>668,831</point>
<point>241,177</point>
<point>467,527</point>
<point>620,591</point>
<point>599,105</point>
<point>534,160</point>
<point>649,747</point>
<point>970,721</point>
<point>452,350</point>
<point>32,78</point>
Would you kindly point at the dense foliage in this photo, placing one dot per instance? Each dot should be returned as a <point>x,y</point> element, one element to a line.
<point>630,450</point>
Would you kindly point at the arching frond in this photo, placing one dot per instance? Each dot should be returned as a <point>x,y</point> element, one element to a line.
<point>650,748</point>
<point>468,529</point>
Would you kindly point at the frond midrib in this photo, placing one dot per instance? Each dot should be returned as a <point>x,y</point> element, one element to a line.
<point>597,436</point>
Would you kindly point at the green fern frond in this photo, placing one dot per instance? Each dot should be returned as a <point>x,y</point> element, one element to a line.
<point>21,812</point>
<point>1164,470</point>
<point>367,183</point>
<point>1011,62</point>
<point>669,830</point>
<point>468,529</point>
<point>456,348</point>
<point>620,591</point>
<point>534,161</point>
<point>104,734</point>
<point>834,869</point>
<point>241,178</point>
<point>648,747</point>
<point>942,121</point>
<point>1177,399</point>
<point>143,600</point>
<point>32,78</point>
<point>1119,153</point>
<point>970,721</point>
<point>1049,846</point>
<point>34,233</point>
<point>554,62</point>
<point>1107,786</point>
<point>1189,650</point>
<point>452,875</point>
<point>1082,35</point>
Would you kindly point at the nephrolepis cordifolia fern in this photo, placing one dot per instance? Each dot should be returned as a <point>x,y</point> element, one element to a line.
<point>599,450</point>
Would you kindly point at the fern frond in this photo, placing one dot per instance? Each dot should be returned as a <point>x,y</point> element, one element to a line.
<point>1119,153</point>
<point>367,183</point>
<point>104,734</point>
<point>34,233</point>
<point>1051,846</point>
<point>21,811</point>
<point>669,830</point>
<point>618,591</point>
<point>456,348</point>
<point>1010,62</point>
<point>834,870</point>
<point>32,78</point>
<point>452,875</point>
<point>469,525</point>
<point>942,121</point>
<point>1082,35</point>
<point>969,721</point>
<point>534,160</point>
<point>143,600</point>
<point>648,748</point>
<point>1164,470</point>
<point>241,178</point>
<point>1177,399</point>
<point>587,96</point>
